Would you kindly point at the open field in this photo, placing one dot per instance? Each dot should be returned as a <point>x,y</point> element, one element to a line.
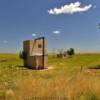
<point>66,79</point>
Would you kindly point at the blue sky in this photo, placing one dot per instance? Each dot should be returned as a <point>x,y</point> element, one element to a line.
<point>63,28</point>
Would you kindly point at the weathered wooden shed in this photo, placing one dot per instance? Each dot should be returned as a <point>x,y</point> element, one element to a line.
<point>36,53</point>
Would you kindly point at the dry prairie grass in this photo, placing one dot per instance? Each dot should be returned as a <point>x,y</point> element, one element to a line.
<point>79,86</point>
<point>64,82</point>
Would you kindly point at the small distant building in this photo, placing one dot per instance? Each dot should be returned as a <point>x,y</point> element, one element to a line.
<point>62,54</point>
<point>36,53</point>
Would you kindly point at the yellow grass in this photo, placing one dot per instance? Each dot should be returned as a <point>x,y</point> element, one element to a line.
<point>61,82</point>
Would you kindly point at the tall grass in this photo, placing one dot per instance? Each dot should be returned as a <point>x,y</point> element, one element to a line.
<point>64,82</point>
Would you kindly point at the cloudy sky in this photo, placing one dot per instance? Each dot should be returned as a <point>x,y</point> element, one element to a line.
<point>64,23</point>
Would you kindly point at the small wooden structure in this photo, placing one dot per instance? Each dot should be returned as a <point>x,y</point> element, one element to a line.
<point>36,53</point>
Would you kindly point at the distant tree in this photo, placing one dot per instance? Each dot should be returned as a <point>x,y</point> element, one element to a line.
<point>71,51</point>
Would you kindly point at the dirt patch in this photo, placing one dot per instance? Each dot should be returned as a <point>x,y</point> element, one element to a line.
<point>93,71</point>
<point>3,60</point>
<point>48,68</point>
<point>95,67</point>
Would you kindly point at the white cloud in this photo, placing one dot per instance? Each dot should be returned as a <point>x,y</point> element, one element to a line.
<point>70,9</point>
<point>56,32</point>
<point>33,34</point>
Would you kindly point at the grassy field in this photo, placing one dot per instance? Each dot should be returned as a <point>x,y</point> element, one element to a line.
<point>66,79</point>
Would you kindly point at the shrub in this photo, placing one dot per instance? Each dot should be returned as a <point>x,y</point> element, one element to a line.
<point>71,51</point>
<point>23,55</point>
